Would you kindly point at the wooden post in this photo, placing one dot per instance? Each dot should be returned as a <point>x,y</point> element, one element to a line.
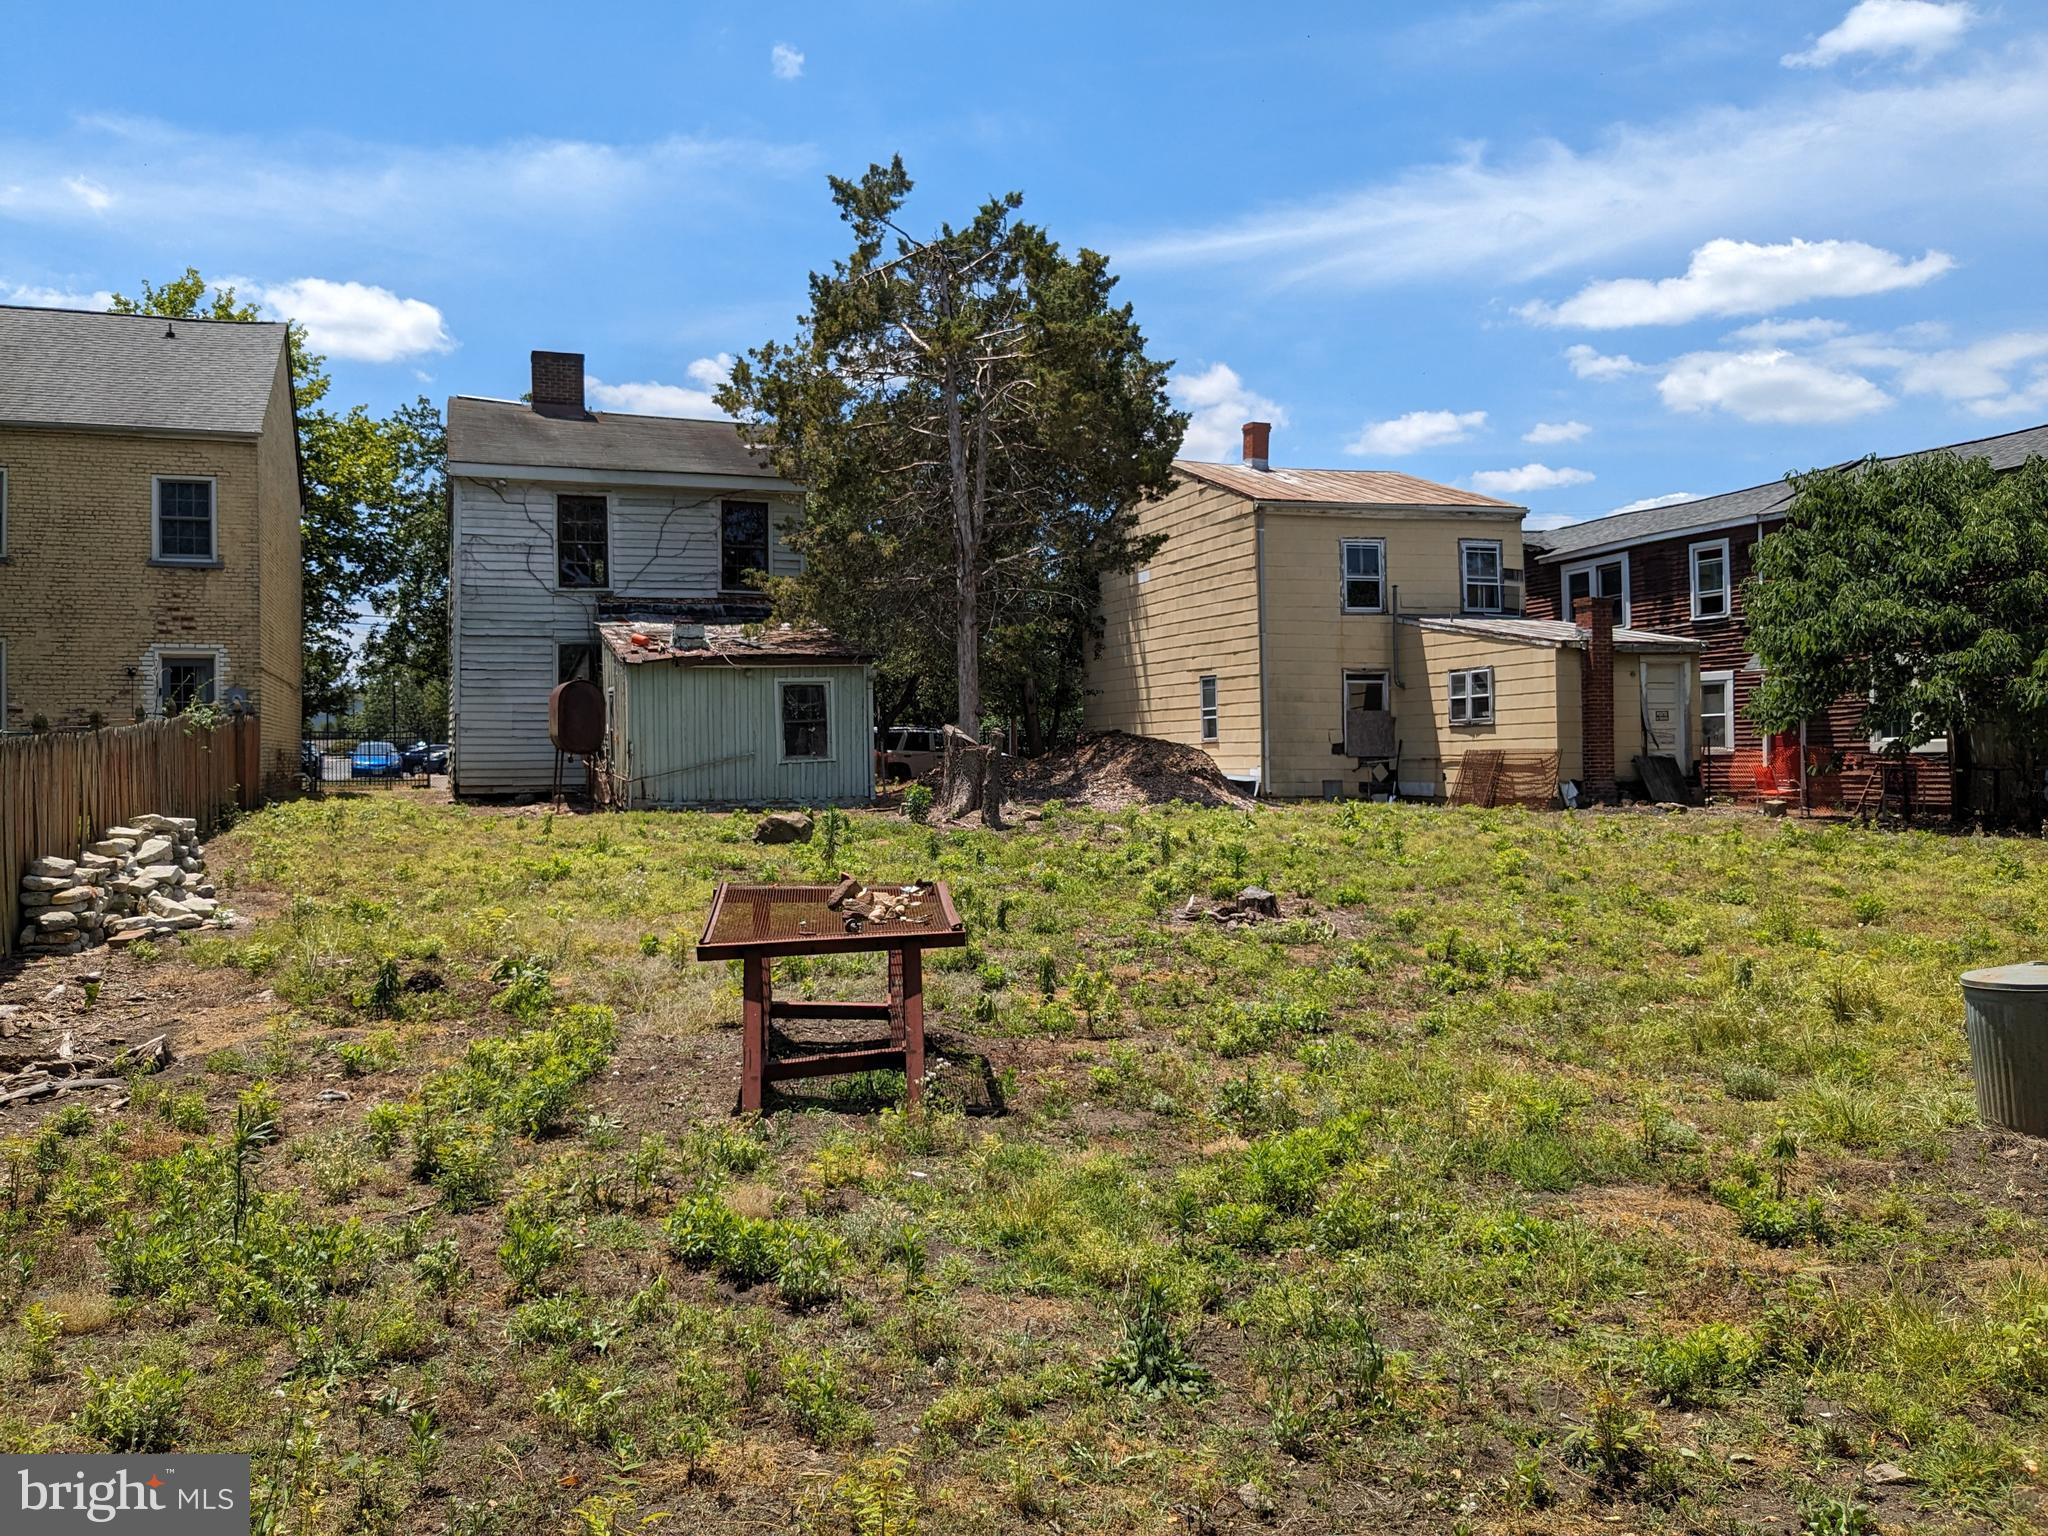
<point>753,1031</point>
<point>896,998</point>
<point>913,1023</point>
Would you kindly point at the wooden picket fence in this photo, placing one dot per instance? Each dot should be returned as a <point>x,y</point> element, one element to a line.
<point>60,791</point>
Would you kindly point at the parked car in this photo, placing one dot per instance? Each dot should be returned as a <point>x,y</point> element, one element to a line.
<point>375,760</point>
<point>910,752</point>
<point>310,759</point>
<point>426,757</point>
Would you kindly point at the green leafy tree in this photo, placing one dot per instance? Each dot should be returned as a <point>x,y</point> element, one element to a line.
<point>974,422</point>
<point>1920,586</point>
<point>374,522</point>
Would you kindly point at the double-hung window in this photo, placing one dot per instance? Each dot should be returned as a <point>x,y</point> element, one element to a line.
<point>1211,715</point>
<point>1471,695</point>
<point>583,541</point>
<point>803,721</point>
<point>1365,575</point>
<point>1598,578</point>
<point>742,543</point>
<point>184,521</point>
<point>1479,562</point>
<point>1711,597</point>
<point>1717,711</point>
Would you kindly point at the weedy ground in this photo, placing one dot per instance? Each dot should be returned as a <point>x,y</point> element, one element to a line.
<point>1534,1173</point>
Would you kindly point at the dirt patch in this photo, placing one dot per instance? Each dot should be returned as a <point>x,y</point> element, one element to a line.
<point>1116,769</point>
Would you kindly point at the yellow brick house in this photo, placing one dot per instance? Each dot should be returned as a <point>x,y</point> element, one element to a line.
<point>1337,633</point>
<point>149,522</point>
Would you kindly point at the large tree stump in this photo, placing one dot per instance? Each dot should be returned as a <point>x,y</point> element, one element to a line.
<point>974,780</point>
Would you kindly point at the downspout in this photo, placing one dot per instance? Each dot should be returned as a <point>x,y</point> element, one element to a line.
<point>1259,587</point>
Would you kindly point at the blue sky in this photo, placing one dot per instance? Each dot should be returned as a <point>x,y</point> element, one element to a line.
<point>1580,254</point>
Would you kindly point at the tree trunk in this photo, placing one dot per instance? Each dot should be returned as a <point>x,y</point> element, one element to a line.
<point>967,603</point>
<point>1034,728</point>
<point>974,780</point>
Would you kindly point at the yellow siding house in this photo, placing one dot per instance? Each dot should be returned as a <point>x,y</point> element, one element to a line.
<point>1332,633</point>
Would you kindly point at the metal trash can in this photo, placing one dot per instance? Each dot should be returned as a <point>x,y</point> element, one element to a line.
<point>2005,1009</point>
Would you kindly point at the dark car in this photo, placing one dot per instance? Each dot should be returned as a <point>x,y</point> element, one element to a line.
<point>425,757</point>
<point>310,759</point>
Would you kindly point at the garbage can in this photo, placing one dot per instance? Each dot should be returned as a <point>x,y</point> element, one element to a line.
<point>2005,1009</point>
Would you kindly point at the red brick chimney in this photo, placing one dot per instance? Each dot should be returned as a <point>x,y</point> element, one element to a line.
<point>1258,438</point>
<point>558,384</point>
<point>1595,615</point>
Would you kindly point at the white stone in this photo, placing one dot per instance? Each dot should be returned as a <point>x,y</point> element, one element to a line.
<point>54,921</point>
<point>44,882</point>
<point>100,861</point>
<point>113,847</point>
<point>154,851</point>
<point>165,874</point>
<point>132,834</point>
<point>201,905</point>
<point>53,866</point>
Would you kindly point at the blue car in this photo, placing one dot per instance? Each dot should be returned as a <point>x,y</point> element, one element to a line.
<point>375,760</point>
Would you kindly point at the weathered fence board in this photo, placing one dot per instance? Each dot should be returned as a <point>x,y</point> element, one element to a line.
<point>58,791</point>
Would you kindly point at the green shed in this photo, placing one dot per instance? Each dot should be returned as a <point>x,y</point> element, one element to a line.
<point>732,714</point>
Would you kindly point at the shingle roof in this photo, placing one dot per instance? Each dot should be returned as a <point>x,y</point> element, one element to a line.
<point>726,644</point>
<point>81,368</point>
<point>1336,487</point>
<point>507,432</point>
<point>2007,451</point>
<point>1552,632</point>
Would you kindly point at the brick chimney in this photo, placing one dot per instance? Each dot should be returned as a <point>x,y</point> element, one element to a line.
<point>1595,615</point>
<point>558,384</point>
<point>1258,437</point>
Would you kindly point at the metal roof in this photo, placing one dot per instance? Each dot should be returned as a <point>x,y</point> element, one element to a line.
<point>2007,451</point>
<point>510,434</point>
<point>726,644</point>
<point>1556,633</point>
<point>1338,487</point>
<point>84,368</point>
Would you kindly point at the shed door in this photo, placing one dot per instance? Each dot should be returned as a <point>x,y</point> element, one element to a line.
<point>1664,700</point>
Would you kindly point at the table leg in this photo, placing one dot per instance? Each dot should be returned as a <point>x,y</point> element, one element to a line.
<point>753,1030</point>
<point>896,998</point>
<point>913,1022</point>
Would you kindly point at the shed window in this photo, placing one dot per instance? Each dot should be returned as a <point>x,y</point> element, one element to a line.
<point>183,681</point>
<point>1710,583</point>
<point>1365,563</point>
<point>1480,559</point>
<point>184,520</point>
<point>1471,695</point>
<point>582,541</point>
<point>1211,716</point>
<point>1717,711</point>
<point>803,720</point>
<point>1598,578</point>
<point>742,543</point>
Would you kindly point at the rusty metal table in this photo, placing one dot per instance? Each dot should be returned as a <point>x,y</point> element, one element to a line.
<point>756,924</point>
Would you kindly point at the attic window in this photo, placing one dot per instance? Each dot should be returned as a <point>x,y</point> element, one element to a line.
<point>582,541</point>
<point>742,543</point>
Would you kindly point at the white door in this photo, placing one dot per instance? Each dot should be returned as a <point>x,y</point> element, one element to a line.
<point>1664,701</point>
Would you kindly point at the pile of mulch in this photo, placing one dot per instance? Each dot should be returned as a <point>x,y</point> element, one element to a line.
<point>1114,769</point>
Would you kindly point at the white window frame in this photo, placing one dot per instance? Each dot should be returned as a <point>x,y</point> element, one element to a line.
<point>156,520</point>
<point>1692,557</point>
<point>204,653</point>
<point>1459,695</point>
<point>1211,707</point>
<point>1466,548</point>
<point>1707,680</point>
<point>610,540</point>
<point>1590,569</point>
<point>782,686</point>
<point>1345,578</point>
<point>1359,675</point>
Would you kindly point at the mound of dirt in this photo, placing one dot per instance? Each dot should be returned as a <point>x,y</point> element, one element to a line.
<point>1114,769</point>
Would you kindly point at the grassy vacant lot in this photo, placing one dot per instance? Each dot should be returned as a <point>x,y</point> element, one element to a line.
<point>1535,1173</point>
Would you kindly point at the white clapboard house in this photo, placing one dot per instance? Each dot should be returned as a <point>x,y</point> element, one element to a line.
<point>566,518</point>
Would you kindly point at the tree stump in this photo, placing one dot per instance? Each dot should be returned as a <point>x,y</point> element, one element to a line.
<point>974,780</point>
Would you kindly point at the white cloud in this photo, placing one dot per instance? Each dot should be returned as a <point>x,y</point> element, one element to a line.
<point>1922,28</point>
<point>1545,432</point>
<point>1829,154</point>
<point>1415,431</point>
<point>648,398</point>
<point>1670,500</point>
<point>1768,384</point>
<point>356,320</point>
<point>89,192</point>
<point>785,61</point>
<point>1978,375</point>
<point>54,298</point>
<point>1530,477</point>
<point>1543,522</point>
<point>1589,364</point>
<point>1771,332</point>
<point>1739,277</point>
<point>1219,405</point>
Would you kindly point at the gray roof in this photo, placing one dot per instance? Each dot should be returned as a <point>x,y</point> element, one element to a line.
<point>83,368</point>
<point>513,434</point>
<point>2007,451</point>
<point>1555,633</point>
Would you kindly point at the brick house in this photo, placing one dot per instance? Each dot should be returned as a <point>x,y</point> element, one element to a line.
<point>149,522</point>
<point>1680,570</point>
